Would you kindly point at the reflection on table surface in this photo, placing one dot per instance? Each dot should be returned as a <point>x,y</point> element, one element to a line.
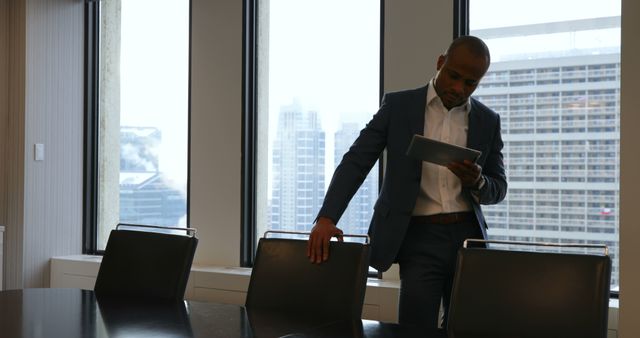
<point>367,329</point>
<point>71,313</point>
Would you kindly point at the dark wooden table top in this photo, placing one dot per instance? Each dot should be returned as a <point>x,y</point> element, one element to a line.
<point>367,329</point>
<point>75,313</point>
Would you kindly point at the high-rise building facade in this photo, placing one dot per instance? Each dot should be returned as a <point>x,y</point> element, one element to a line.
<point>560,113</point>
<point>298,169</point>
<point>146,194</point>
<point>357,217</point>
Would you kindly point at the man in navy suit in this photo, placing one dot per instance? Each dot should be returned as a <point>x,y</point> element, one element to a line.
<point>424,211</point>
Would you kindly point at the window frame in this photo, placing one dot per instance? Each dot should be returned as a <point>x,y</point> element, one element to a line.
<point>91,125</point>
<point>90,170</point>
<point>248,245</point>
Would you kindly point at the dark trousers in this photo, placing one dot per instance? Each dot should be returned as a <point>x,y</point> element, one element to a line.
<point>427,261</point>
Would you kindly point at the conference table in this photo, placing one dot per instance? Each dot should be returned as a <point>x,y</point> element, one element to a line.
<point>71,313</point>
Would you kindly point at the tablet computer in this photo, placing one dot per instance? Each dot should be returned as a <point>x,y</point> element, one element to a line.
<point>440,153</point>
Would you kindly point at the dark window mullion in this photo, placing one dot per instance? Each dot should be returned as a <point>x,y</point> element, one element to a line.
<point>90,181</point>
<point>460,18</point>
<point>249,123</point>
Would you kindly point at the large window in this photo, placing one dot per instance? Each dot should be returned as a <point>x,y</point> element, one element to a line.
<point>140,58</point>
<point>555,81</point>
<point>318,84</point>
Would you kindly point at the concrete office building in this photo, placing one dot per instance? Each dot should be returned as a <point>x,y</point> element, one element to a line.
<point>146,196</point>
<point>560,114</point>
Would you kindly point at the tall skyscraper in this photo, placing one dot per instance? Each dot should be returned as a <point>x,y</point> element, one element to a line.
<point>357,217</point>
<point>298,169</point>
<point>560,115</point>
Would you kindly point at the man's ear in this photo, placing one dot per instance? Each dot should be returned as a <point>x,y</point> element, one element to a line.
<point>441,61</point>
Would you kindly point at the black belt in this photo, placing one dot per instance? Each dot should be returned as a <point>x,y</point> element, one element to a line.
<point>449,218</point>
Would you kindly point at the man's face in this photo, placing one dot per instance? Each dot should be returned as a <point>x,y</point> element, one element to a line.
<point>458,76</point>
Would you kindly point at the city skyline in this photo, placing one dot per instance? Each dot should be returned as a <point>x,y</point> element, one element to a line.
<point>560,121</point>
<point>556,88</point>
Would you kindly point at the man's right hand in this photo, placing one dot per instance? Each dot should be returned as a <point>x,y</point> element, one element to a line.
<point>318,244</point>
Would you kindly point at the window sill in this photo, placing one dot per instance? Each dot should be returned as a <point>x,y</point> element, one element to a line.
<point>219,284</point>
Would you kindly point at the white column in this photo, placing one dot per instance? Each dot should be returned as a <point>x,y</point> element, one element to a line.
<point>629,326</point>
<point>109,120</point>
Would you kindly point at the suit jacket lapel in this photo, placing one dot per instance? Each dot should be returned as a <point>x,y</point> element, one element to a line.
<point>417,112</point>
<point>474,134</point>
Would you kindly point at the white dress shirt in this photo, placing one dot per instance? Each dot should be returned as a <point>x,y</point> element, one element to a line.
<point>440,189</point>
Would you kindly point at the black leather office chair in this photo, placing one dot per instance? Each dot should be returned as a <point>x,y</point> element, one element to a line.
<point>144,264</point>
<point>284,281</point>
<point>517,294</point>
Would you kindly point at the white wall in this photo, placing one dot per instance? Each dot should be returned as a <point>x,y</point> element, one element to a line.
<point>4,106</point>
<point>14,149</point>
<point>218,284</point>
<point>53,117</point>
<point>44,208</point>
<point>629,326</point>
<point>216,115</point>
<point>4,121</point>
<point>416,33</point>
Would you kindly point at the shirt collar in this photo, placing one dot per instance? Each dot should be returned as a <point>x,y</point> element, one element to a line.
<point>433,95</point>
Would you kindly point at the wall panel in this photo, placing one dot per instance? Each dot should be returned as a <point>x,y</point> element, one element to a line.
<point>629,326</point>
<point>44,208</point>
<point>216,130</point>
<point>14,151</point>
<point>416,33</point>
<point>53,117</point>
<point>4,105</point>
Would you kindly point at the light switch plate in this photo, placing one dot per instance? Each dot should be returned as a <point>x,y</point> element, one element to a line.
<point>39,152</point>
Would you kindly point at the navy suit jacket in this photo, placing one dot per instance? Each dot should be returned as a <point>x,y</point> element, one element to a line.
<point>401,115</point>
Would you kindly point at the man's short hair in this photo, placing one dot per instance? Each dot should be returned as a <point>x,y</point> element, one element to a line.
<point>475,45</point>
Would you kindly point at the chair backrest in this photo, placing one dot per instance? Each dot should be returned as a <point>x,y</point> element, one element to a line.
<point>283,280</point>
<point>145,264</point>
<point>503,293</point>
